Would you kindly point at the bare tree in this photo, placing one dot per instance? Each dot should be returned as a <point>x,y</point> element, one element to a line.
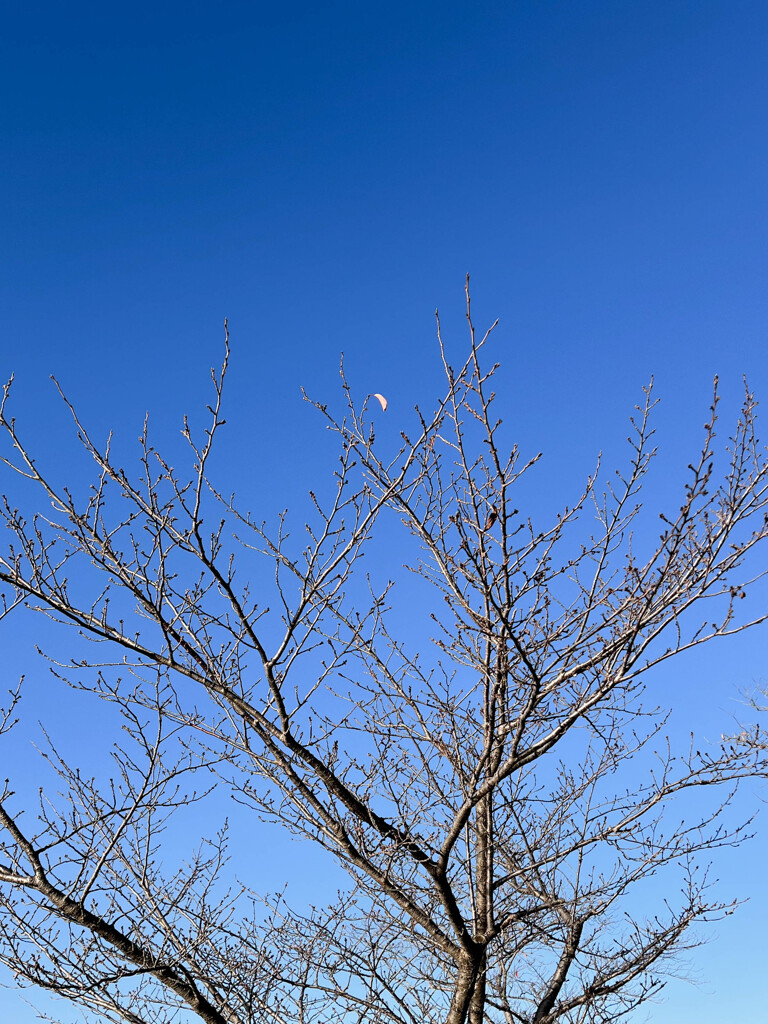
<point>499,794</point>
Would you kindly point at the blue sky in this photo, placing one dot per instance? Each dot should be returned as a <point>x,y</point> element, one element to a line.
<point>324,175</point>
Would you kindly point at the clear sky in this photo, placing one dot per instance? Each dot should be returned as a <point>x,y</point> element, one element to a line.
<point>325,174</point>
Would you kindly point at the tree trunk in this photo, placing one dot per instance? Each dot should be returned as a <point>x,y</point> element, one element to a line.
<point>464,993</point>
<point>477,999</point>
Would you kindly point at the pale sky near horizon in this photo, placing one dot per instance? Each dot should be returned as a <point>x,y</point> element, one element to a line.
<point>324,176</point>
